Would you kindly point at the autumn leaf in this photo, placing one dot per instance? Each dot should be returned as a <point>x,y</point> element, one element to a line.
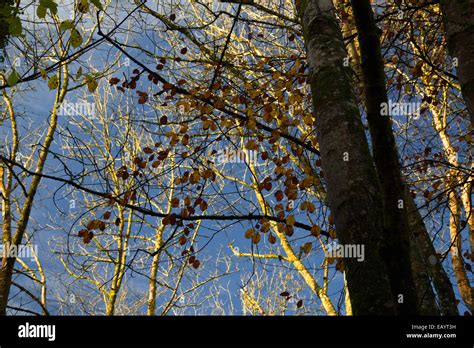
<point>315,230</point>
<point>256,238</point>
<point>307,247</point>
<point>290,220</point>
<point>96,225</point>
<point>249,233</point>
<point>53,82</point>
<point>271,238</point>
<point>279,195</point>
<point>91,83</point>
<point>196,264</point>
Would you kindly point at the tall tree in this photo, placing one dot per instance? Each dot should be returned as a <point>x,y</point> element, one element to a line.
<point>352,185</point>
<point>458,17</point>
<point>397,232</point>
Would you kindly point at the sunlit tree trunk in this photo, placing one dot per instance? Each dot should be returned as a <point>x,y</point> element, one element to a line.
<point>465,289</point>
<point>352,186</point>
<point>6,270</point>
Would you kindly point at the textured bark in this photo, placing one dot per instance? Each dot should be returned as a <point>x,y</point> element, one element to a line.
<point>349,30</point>
<point>465,289</point>
<point>458,17</point>
<point>426,298</point>
<point>396,228</point>
<point>432,265</point>
<point>352,186</point>
<point>456,181</point>
<point>151,303</point>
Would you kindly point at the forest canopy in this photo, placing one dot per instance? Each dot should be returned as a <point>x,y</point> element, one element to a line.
<point>258,157</point>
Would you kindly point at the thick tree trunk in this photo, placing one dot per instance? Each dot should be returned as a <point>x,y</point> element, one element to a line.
<point>424,291</point>
<point>396,227</point>
<point>458,17</point>
<point>432,264</point>
<point>352,186</point>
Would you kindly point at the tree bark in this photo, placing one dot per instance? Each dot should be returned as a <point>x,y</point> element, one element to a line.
<point>458,18</point>
<point>424,291</point>
<point>352,186</point>
<point>433,266</point>
<point>464,286</point>
<point>396,227</point>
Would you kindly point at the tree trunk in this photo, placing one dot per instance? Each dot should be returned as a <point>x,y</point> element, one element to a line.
<point>8,263</point>
<point>458,18</point>
<point>429,257</point>
<point>465,289</point>
<point>424,291</point>
<point>396,228</point>
<point>352,186</point>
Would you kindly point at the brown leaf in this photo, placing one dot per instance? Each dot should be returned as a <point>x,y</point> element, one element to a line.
<point>279,195</point>
<point>315,230</point>
<point>290,220</point>
<point>82,233</point>
<point>249,233</point>
<point>196,264</point>
<point>271,238</point>
<point>96,225</point>
<point>256,238</point>
<point>307,247</point>
<point>114,81</point>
